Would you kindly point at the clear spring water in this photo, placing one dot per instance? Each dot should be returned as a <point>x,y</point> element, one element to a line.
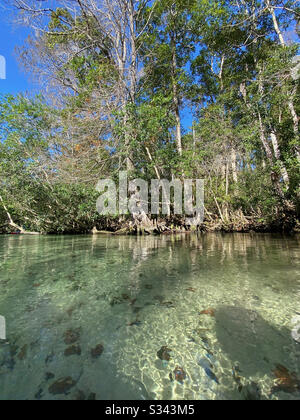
<point>134,296</point>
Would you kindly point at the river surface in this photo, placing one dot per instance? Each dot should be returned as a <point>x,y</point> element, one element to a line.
<point>196,317</point>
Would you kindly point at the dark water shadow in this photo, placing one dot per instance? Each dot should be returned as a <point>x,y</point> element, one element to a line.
<point>251,342</point>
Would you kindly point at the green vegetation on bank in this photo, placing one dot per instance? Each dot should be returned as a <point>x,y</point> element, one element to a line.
<point>120,77</point>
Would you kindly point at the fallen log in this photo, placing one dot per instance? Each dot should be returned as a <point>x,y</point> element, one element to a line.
<point>21,230</point>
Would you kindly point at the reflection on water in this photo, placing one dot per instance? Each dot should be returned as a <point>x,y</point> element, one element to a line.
<point>175,317</point>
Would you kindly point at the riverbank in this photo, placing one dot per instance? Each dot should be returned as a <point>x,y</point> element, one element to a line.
<point>113,226</point>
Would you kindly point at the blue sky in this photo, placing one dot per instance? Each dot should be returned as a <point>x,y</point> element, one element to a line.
<point>10,36</point>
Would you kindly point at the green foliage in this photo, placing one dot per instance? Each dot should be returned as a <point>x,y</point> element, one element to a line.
<point>221,61</point>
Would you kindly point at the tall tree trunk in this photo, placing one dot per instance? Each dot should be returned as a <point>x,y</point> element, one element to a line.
<point>233,165</point>
<point>176,100</point>
<point>269,154</point>
<point>194,140</point>
<point>277,154</point>
<point>275,23</point>
<point>127,127</point>
<point>132,81</point>
<point>290,101</point>
<point>227,178</point>
<point>133,64</point>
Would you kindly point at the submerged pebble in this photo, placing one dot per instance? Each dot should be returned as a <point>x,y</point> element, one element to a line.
<point>180,374</point>
<point>137,309</point>
<point>62,386</point>
<point>73,350</point>
<point>97,351</point>
<point>49,358</point>
<point>72,336</point>
<point>252,392</point>
<point>49,375</point>
<point>211,375</point>
<point>285,380</point>
<point>210,311</point>
<point>23,353</point>
<point>168,304</point>
<point>164,353</point>
<point>207,366</point>
<point>39,394</point>
<point>79,396</point>
<point>135,323</point>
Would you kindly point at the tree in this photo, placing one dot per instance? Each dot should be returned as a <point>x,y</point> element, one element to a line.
<point>120,75</point>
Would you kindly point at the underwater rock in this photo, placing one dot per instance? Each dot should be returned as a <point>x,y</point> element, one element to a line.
<point>207,366</point>
<point>135,323</point>
<point>285,380</point>
<point>79,396</point>
<point>210,311</point>
<point>168,304</point>
<point>72,336</point>
<point>137,309</point>
<point>237,378</point>
<point>62,386</point>
<point>73,350</point>
<point>48,376</point>
<point>23,353</point>
<point>116,301</point>
<point>252,392</point>
<point>97,351</point>
<point>180,374</point>
<point>49,358</point>
<point>8,361</point>
<point>13,350</point>
<point>39,394</point>
<point>164,353</point>
<point>212,376</point>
